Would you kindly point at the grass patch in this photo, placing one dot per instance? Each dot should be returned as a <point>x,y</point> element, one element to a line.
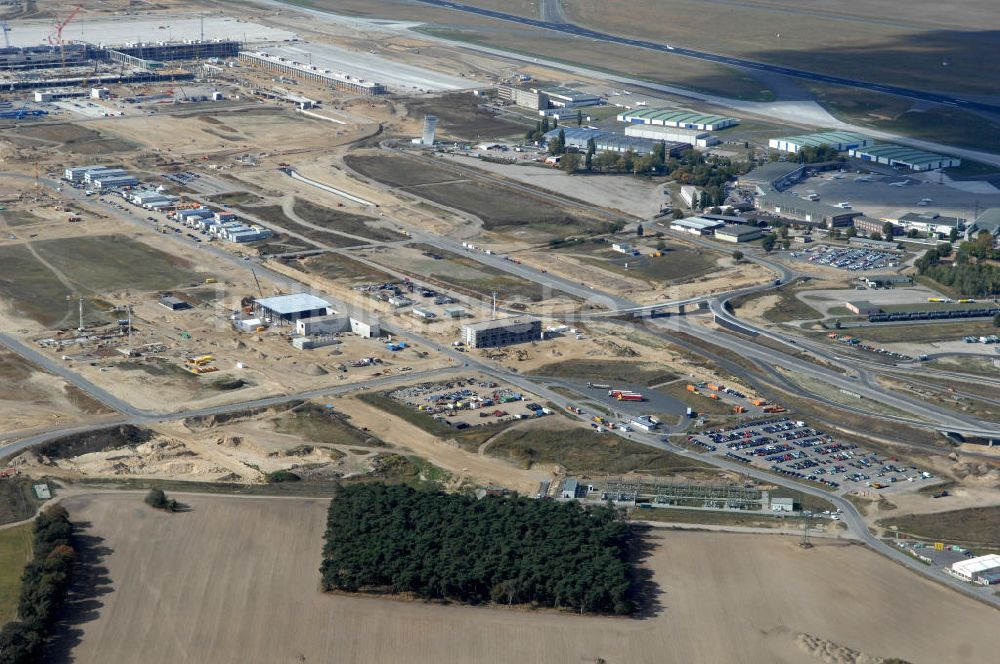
<point>709,518</point>
<point>273,215</point>
<point>337,267</point>
<point>976,526</point>
<point>678,263</point>
<point>17,500</point>
<point>636,373</point>
<point>983,367</point>
<point>91,265</point>
<point>501,208</point>
<point>468,439</point>
<point>15,552</point>
<point>581,451</point>
<point>323,426</point>
<point>787,308</point>
<point>460,115</point>
<point>923,332</point>
<point>344,222</point>
<point>471,277</point>
<point>15,218</point>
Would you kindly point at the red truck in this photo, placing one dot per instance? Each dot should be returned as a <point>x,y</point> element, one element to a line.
<point>630,396</point>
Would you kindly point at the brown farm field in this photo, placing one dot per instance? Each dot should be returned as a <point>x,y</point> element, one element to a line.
<point>170,588</point>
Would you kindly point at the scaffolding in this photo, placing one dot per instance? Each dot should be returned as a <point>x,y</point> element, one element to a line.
<point>682,494</point>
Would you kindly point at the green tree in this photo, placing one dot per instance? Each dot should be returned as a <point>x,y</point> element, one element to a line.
<point>850,232</point>
<point>888,230</point>
<point>953,235</point>
<point>570,162</point>
<point>876,236</point>
<point>768,242</point>
<point>737,255</point>
<point>912,233</point>
<point>158,499</point>
<point>786,244</point>
<point>678,214</point>
<point>639,230</point>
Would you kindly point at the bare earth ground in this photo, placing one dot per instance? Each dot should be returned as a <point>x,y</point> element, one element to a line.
<point>238,582</point>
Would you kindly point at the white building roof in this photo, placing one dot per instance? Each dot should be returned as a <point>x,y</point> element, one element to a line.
<point>975,565</point>
<point>697,223</point>
<point>290,304</point>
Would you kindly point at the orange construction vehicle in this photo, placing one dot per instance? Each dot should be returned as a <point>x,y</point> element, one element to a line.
<point>692,388</point>
<point>758,402</point>
<point>739,409</point>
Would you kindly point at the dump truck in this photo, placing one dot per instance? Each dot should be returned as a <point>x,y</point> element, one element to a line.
<point>758,402</point>
<point>713,386</point>
<point>692,388</point>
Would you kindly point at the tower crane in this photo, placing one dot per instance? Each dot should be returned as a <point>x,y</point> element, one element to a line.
<point>56,37</point>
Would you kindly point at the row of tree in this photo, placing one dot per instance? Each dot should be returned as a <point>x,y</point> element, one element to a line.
<point>398,539</point>
<point>965,273</point>
<point>43,588</point>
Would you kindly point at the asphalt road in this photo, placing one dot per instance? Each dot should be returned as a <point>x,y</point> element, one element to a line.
<point>465,363</point>
<point>585,33</point>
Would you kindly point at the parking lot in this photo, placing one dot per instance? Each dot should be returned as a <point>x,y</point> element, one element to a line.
<point>853,259</point>
<point>791,447</point>
<point>469,402</point>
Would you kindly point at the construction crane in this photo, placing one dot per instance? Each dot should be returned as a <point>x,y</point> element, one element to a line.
<point>6,29</point>
<point>56,38</point>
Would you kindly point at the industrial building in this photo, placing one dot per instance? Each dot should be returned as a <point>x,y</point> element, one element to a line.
<point>863,307</point>
<point>100,173</point>
<point>696,225</point>
<point>988,221</point>
<point>77,173</point>
<point>805,211</point>
<point>105,182</point>
<point>904,157</point>
<point>780,175</point>
<point>738,233</point>
<point>539,99</point>
<point>502,332</point>
<point>691,195</point>
<point>561,97</point>
<point>930,223</point>
<point>667,117</point>
<point>868,225</point>
<point>606,141</point>
<point>318,325</point>
<point>312,73</point>
<point>782,504</point>
<point>173,303</point>
<point>290,308</point>
<point>701,139</point>
<point>841,141</point>
<point>984,570</point>
<point>40,57</point>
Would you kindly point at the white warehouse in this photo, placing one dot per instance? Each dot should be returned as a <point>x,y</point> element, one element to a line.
<point>841,141</point>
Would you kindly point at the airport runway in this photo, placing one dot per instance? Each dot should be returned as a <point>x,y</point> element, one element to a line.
<point>585,33</point>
